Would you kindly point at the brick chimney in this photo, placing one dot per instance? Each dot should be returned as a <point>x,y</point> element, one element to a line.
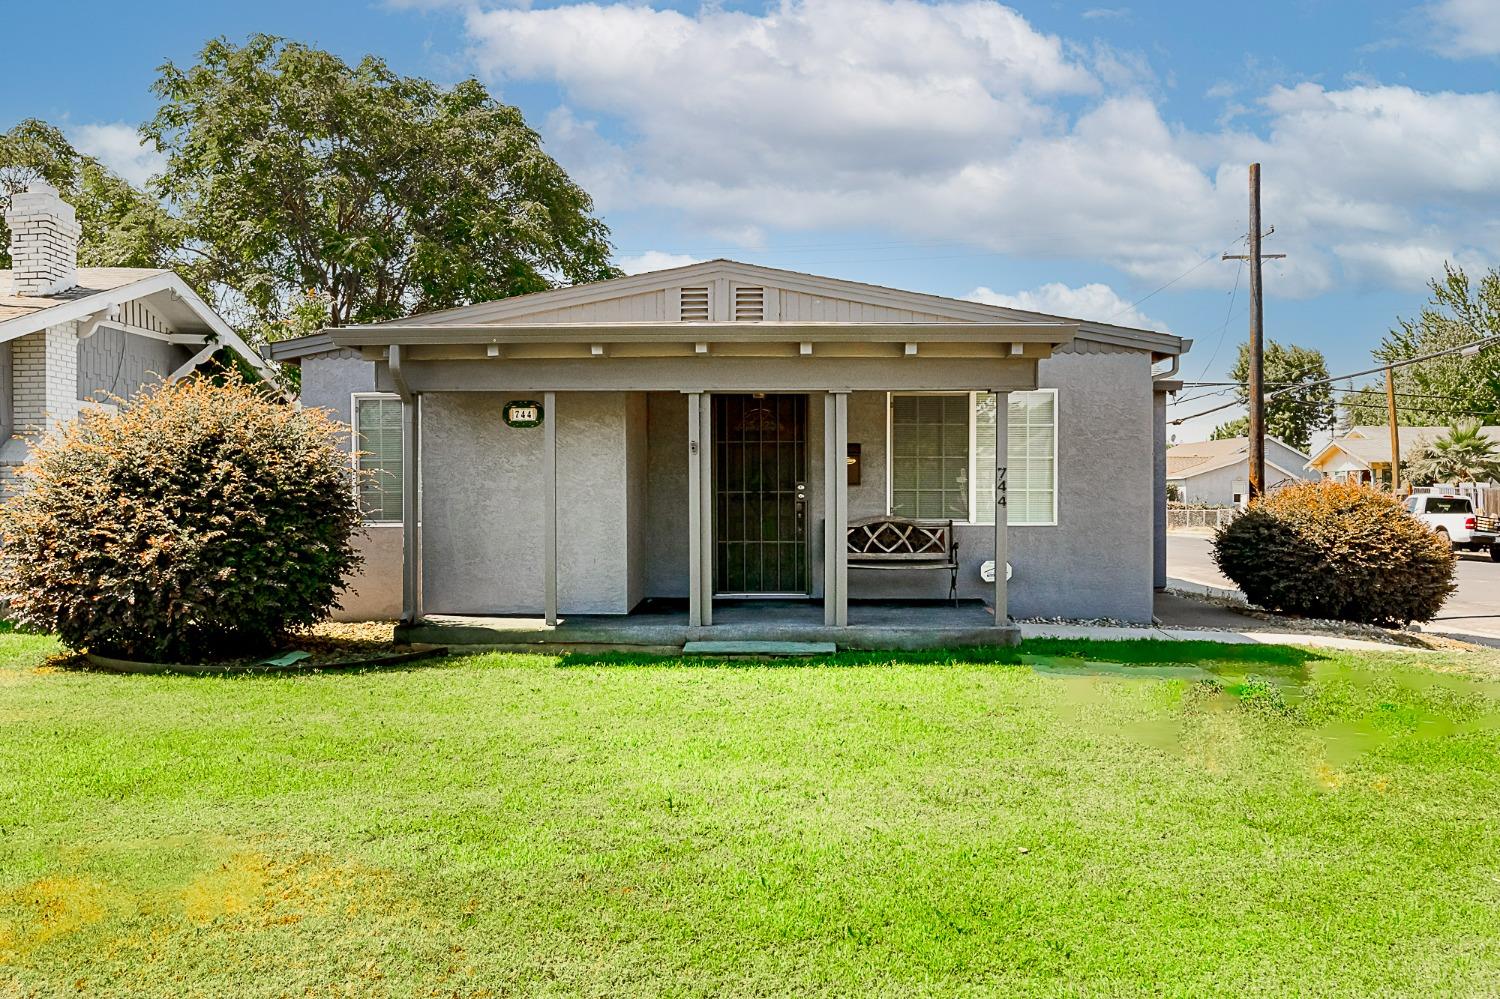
<point>43,241</point>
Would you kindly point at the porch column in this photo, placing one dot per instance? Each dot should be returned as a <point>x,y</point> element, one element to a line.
<point>1002,527</point>
<point>549,505</point>
<point>835,509</point>
<point>706,506</point>
<point>700,511</point>
<point>411,493</point>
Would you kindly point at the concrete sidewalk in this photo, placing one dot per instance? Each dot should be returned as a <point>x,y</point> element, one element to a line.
<point>1104,633</point>
<point>1184,619</point>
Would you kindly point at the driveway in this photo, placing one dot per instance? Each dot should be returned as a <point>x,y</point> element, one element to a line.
<point>1472,611</point>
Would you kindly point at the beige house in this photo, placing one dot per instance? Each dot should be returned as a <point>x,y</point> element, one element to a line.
<point>72,336</point>
<point>1217,473</point>
<point>1363,454</point>
<point>733,451</point>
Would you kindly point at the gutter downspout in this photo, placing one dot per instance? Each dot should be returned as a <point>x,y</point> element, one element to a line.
<point>1159,474</point>
<point>411,470</point>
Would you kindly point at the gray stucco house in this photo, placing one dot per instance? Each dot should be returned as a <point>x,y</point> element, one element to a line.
<point>699,448</point>
<point>73,337</point>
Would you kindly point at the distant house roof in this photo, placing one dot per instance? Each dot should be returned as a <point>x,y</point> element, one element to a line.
<point>1201,457</point>
<point>1372,445</point>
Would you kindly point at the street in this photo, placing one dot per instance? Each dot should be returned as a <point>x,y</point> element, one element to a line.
<point>1473,610</point>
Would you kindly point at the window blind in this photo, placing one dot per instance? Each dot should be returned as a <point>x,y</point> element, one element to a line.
<point>933,464</point>
<point>377,427</point>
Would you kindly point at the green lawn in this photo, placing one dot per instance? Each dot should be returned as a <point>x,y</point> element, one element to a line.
<point>1276,822</point>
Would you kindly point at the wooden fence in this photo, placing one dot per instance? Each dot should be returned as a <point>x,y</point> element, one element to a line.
<point>1181,517</point>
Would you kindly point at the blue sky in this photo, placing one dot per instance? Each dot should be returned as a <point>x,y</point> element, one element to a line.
<point>1067,157</point>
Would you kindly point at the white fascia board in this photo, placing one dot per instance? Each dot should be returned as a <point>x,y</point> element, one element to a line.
<point>82,308</point>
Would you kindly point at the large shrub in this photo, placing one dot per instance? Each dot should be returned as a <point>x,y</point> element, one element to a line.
<point>1327,549</point>
<point>201,520</point>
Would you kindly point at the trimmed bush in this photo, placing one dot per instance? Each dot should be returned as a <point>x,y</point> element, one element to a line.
<point>1331,550</point>
<point>200,521</point>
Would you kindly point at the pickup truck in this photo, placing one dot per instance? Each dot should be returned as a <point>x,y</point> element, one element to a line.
<point>1454,519</point>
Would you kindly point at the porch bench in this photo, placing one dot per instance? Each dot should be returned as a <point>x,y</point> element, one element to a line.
<point>904,543</point>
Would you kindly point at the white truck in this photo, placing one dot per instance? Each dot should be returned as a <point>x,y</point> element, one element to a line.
<point>1453,518</point>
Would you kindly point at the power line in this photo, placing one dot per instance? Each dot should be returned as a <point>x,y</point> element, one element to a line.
<point>1481,343</point>
<point>1175,279</point>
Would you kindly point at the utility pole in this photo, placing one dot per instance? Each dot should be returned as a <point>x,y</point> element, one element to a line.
<point>1256,390</point>
<point>1390,411</point>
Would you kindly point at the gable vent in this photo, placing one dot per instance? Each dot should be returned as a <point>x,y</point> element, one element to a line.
<point>695,307</point>
<point>749,305</point>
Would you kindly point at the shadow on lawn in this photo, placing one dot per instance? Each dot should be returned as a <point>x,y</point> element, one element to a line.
<point>1120,658</point>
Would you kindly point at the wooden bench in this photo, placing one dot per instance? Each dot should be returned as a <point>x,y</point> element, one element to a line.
<point>904,543</point>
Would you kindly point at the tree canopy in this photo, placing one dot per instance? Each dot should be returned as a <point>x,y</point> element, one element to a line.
<point>121,225</point>
<point>1295,416</point>
<point>301,179</point>
<point>1444,391</point>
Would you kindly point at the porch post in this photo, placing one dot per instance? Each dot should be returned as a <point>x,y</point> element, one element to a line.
<point>706,506</point>
<point>1002,528</point>
<point>411,470</point>
<point>549,504</point>
<point>835,509</point>
<point>830,518</point>
<point>841,505</point>
<point>695,511</point>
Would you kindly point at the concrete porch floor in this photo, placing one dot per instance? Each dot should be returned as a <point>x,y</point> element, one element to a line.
<point>877,624</point>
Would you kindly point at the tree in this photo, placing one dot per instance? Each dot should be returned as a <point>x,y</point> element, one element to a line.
<point>1445,390</point>
<point>296,174</point>
<point>1463,454</point>
<point>121,225</point>
<point>1294,416</point>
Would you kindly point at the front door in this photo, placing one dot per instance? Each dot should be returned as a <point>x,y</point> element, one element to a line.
<point>760,495</point>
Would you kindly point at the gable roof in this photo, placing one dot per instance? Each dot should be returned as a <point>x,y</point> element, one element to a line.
<point>1201,457</point>
<point>923,307</point>
<point>99,289</point>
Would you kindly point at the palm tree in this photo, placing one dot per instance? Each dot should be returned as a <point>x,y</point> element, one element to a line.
<point>1463,454</point>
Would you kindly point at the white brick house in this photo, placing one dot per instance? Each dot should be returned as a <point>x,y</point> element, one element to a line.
<point>72,337</point>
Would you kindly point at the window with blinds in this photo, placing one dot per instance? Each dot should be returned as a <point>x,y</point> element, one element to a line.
<point>943,451</point>
<point>377,432</point>
<point>930,456</point>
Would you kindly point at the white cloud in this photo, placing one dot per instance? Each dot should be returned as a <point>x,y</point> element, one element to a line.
<point>1466,27</point>
<point>1106,13</point>
<point>118,146</point>
<point>654,260</point>
<point>959,120</point>
<point>1096,302</point>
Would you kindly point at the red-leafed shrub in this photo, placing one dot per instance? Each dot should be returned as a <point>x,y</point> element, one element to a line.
<point>1331,550</point>
<point>199,521</point>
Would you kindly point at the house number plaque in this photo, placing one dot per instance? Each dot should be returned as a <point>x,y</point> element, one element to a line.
<point>523,413</point>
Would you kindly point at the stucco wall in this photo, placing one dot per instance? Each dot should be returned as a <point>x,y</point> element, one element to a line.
<point>482,505</point>
<point>1097,561</point>
<point>329,382</point>
<point>666,495</point>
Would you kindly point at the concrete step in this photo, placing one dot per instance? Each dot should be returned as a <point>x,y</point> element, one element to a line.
<point>759,648</point>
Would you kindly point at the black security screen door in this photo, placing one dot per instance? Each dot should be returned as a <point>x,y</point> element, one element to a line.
<point>760,494</point>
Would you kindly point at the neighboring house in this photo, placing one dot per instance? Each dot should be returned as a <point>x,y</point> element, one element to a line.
<point>1218,472</point>
<point>72,337</point>
<point>1363,454</point>
<point>695,436</point>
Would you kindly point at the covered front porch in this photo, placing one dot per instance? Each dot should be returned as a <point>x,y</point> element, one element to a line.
<point>666,626</point>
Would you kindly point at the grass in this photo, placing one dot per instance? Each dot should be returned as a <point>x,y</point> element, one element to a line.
<point>1072,819</point>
